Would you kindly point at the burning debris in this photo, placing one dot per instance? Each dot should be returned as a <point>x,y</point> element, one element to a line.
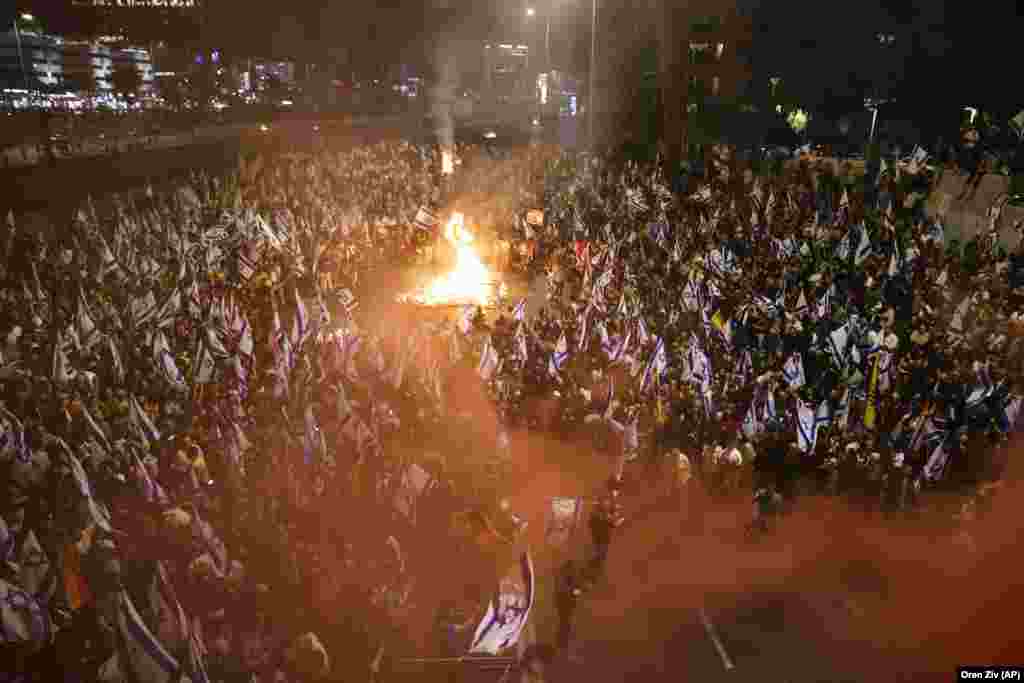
<point>468,282</point>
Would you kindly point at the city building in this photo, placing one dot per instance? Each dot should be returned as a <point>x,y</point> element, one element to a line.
<point>717,57</point>
<point>264,71</point>
<point>695,55</point>
<point>135,58</point>
<point>88,66</point>
<point>506,75</point>
<point>32,56</point>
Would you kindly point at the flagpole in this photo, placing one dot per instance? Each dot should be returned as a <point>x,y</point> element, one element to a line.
<point>709,628</point>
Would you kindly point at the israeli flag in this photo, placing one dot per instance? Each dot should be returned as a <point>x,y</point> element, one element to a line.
<point>793,371</point>
<point>508,611</point>
<point>864,247</point>
<point>559,356</point>
<point>489,361</point>
<point>140,655</point>
<point>839,341</point>
<point>1009,414</point>
<point>935,468</point>
<point>313,440</point>
<point>520,344</point>
<point>655,366</point>
<point>807,427</point>
<point>619,350</point>
<point>165,359</point>
<point>825,303</point>
<point>824,414</point>
<point>140,420</point>
<point>300,326</point>
<point>519,314</point>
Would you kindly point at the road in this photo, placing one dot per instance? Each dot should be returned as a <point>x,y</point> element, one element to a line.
<point>71,180</point>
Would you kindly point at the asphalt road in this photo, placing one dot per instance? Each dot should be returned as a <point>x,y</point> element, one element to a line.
<point>68,182</point>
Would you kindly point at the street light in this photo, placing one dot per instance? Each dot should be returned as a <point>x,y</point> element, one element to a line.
<point>25,16</point>
<point>593,66</point>
<point>873,106</point>
<point>530,11</point>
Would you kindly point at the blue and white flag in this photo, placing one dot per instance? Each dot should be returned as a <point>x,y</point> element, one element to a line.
<point>839,341</point>
<point>559,356</point>
<point>519,314</point>
<point>1009,415</point>
<point>744,367</point>
<point>655,367</point>
<point>692,296</point>
<point>700,364</point>
<point>489,361</point>
<point>141,656</point>
<point>806,427</point>
<point>165,360</point>
<point>824,309</point>
<point>619,349</point>
<point>642,335</point>
<point>659,233</point>
<point>751,424</point>
<point>863,247</point>
<point>935,468</point>
<point>300,326</point>
<point>85,326</point>
<point>508,611</point>
<point>824,414</point>
<point>313,439</point>
<point>793,371</point>
<point>140,420</point>
<point>520,345</point>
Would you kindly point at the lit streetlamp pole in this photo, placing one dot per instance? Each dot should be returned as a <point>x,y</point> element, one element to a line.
<point>21,53</point>
<point>531,12</point>
<point>593,66</point>
<point>873,105</point>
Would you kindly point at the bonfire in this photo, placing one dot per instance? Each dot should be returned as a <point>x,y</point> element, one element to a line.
<point>468,282</point>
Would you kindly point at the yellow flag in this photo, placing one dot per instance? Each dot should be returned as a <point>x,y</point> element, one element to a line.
<point>870,412</point>
<point>661,413</point>
<point>721,324</point>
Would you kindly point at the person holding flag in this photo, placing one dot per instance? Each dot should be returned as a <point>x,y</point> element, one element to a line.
<point>606,517</point>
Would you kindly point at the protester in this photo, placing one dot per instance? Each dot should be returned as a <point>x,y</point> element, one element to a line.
<point>567,596</point>
<point>190,391</point>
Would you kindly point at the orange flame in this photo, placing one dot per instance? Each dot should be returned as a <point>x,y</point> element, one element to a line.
<point>470,280</point>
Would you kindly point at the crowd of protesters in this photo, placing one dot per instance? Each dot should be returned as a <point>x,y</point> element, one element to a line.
<point>217,464</point>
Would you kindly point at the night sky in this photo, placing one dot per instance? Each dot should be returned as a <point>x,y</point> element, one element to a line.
<point>943,49</point>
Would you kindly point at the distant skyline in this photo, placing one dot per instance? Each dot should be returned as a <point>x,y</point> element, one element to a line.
<point>944,49</point>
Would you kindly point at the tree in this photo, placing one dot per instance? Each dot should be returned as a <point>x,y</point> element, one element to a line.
<point>126,79</point>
